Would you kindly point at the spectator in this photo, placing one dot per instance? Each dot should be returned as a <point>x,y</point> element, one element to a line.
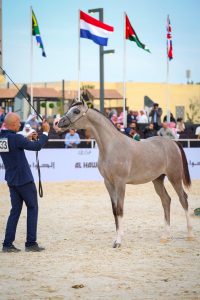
<point>2,114</point>
<point>155,115</point>
<point>197,132</point>
<point>132,116</point>
<point>149,131</point>
<point>133,125</point>
<point>172,126</point>
<point>165,131</point>
<point>28,132</point>
<point>120,119</point>
<point>119,127</point>
<point>112,112</point>
<point>72,139</point>
<point>87,143</point>
<point>172,119</point>
<point>142,117</point>
<point>114,119</point>
<point>33,122</point>
<point>180,126</point>
<point>129,117</point>
<point>134,134</point>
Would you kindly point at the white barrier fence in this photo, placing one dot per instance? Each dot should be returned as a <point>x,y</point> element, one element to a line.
<point>81,164</point>
<point>93,143</point>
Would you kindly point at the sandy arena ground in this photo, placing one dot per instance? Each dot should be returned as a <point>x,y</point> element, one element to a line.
<point>77,228</point>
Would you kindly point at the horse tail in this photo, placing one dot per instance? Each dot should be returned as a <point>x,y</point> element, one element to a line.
<point>186,174</point>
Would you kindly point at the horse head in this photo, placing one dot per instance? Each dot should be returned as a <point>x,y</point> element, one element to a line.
<point>76,112</point>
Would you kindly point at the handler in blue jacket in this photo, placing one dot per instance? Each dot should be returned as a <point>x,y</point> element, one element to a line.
<point>20,181</point>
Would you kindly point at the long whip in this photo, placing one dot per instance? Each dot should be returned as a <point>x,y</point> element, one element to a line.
<point>5,73</point>
<point>37,158</point>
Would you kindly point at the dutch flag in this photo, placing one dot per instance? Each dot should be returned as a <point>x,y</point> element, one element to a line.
<point>94,30</point>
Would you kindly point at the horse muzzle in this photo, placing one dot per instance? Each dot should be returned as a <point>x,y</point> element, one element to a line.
<point>63,123</point>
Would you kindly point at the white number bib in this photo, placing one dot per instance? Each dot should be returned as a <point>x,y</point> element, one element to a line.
<point>4,145</point>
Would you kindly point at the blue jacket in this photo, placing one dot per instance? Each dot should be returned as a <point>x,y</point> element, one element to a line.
<point>16,165</point>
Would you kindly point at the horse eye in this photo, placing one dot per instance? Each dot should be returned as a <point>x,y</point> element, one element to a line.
<point>76,111</point>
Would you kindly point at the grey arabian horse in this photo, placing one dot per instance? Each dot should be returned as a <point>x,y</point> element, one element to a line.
<point>125,161</point>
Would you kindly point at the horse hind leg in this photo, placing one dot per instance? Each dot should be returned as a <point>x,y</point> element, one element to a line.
<point>166,201</point>
<point>117,200</point>
<point>177,185</point>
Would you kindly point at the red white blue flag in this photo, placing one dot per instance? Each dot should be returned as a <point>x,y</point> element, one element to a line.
<point>169,39</point>
<point>93,29</point>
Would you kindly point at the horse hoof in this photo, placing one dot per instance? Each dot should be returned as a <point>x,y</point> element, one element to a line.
<point>116,245</point>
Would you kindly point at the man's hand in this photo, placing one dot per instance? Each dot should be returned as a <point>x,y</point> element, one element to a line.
<point>45,126</point>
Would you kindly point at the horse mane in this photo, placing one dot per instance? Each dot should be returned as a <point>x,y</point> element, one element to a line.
<point>108,120</point>
<point>103,116</point>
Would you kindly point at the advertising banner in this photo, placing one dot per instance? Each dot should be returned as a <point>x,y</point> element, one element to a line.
<point>81,164</point>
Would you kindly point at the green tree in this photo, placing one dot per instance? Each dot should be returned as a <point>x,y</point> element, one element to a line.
<point>51,105</point>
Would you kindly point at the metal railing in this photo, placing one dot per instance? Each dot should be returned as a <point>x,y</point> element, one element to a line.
<point>81,140</point>
<point>93,142</point>
<point>188,141</point>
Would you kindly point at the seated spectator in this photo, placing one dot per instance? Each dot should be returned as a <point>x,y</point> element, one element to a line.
<point>165,131</point>
<point>72,139</point>
<point>2,114</point>
<point>127,131</point>
<point>28,132</point>
<point>133,125</point>
<point>172,126</point>
<point>172,119</point>
<point>150,131</point>
<point>197,132</point>
<point>114,119</point>
<point>134,134</point>
<point>119,127</point>
<point>34,123</point>
<point>87,143</point>
<point>142,117</point>
<point>111,112</point>
<point>180,126</point>
<point>120,119</point>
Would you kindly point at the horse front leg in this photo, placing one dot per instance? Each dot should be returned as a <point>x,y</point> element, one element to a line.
<point>117,193</point>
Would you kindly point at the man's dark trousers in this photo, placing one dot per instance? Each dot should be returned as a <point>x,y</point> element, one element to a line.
<point>18,194</point>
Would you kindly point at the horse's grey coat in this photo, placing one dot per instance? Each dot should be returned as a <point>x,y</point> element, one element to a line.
<point>125,161</point>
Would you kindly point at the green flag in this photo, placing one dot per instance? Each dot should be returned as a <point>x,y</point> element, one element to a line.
<point>36,33</point>
<point>131,35</point>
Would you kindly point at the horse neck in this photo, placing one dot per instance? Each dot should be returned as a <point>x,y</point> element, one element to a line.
<point>102,129</point>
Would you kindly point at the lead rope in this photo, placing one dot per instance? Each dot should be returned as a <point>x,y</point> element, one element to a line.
<point>40,189</point>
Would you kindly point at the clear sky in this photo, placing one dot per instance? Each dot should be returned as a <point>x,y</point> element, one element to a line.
<point>58,22</point>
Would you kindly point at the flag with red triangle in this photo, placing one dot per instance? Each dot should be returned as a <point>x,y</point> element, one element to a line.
<point>131,35</point>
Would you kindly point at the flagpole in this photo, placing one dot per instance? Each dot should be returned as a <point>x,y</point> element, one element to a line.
<point>124,76</point>
<point>79,55</point>
<point>31,62</point>
<point>167,92</point>
<point>167,79</point>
